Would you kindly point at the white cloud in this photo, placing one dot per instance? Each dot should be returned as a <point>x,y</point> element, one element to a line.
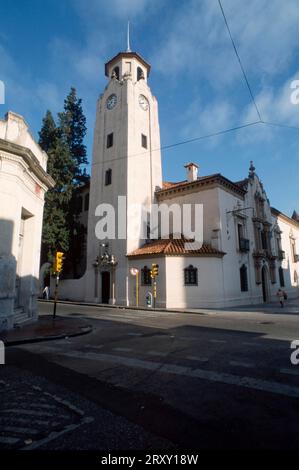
<point>197,41</point>
<point>200,120</point>
<point>121,9</point>
<point>275,106</point>
<point>48,96</point>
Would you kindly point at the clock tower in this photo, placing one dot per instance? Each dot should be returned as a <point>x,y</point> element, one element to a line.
<point>126,171</point>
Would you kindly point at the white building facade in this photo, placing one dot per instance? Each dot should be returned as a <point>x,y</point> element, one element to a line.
<point>23,184</point>
<point>249,249</point>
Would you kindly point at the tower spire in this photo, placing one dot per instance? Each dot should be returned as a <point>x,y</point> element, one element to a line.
<point>128,38</point>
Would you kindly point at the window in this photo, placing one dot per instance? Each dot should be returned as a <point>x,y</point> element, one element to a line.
<point>128,67</point>
<point>86,202</point>
<point>110,140</point>
<point>240,232</point>
<point>144,141</point>
<point>281,277</point>
<point>190,276</point>
<point>293,248</point>
<point>140,73</point>
<point>146,279</point>
<point>243,242</point>
<point>79,203</point>
<point>264,240</point>
<point>115,72</point>
<point>243,278</point>
<point>108,177</point>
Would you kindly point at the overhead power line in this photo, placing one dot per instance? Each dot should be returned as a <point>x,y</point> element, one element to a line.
<point>187,141</point>
<point>218,133</point>
<point>276,124</point>
<point>239,60</point>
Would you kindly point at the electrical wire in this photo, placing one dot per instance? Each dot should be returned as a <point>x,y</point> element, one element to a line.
<point>184,142</point>
<point>218,133</point>
<point>276,124</point>
<point>240,62</point>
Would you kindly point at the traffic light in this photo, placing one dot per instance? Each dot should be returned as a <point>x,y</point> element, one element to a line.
<point>155,270</point>
<point>58,261</point>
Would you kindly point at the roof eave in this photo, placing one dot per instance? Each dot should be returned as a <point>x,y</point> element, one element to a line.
<point>127,55</point>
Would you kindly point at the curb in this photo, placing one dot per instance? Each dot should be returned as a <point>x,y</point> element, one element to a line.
<point>122,307</point>
<point>39,339</point>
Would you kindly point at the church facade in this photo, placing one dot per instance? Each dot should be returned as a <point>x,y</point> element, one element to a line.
<point>248,250</point>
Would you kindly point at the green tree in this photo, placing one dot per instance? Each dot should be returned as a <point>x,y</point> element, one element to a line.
<point>66,150</point>
<point>56,233</point>
<point>72,122</point>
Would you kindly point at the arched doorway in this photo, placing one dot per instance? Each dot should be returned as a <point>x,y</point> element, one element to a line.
<point>265,284</point>
<point>105,287</point>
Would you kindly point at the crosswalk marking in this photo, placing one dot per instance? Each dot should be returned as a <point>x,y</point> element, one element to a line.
<point>122,349</point>
<point>158,353</point>
<point>218,341</point>
<point>290,371</point>
<point>42,405</point>
<point>196,358</point>
<point>19,430</point>
<point>31,412</point>
<point>8,440</point>
<point>55,434</point>
<point>220,377</point>
<point>241,364</point>
<point>38,422</point>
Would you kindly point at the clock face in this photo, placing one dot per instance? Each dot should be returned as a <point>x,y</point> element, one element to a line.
<point>111,101</point>
<point>143,102</point>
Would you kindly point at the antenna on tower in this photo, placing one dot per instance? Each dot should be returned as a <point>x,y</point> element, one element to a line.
<point>128,38</point>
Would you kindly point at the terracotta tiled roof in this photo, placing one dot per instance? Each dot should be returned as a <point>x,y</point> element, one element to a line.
<point>174,247</point>
<point>169,184</point>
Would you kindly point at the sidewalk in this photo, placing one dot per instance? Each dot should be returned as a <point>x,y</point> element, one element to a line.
<point>200,311</point>
<point>45,329</point>
<point>291,307</point>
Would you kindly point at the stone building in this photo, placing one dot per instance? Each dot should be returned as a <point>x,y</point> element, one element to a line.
<point>248,251</point>
<point>23,184</point>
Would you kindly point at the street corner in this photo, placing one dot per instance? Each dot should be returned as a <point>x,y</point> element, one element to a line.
<point>46,329</point>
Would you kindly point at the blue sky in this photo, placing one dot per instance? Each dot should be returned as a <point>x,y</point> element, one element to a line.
<point>48,46</point>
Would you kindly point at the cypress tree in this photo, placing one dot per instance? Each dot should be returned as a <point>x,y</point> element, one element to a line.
<point>56,234</point>
<point>72,122</point>
<point>66,150</point>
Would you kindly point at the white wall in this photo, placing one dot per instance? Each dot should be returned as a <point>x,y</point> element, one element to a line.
<point>289,266</point>
<point>143,290</point>
<point>208,293</point>
<point>21,194</point>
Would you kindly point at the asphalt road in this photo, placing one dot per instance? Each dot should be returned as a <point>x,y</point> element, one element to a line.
<point>146,380</point>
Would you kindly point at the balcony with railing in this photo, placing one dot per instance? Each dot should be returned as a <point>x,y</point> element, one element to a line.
<point>281,255</point>
<point>244,245</point>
